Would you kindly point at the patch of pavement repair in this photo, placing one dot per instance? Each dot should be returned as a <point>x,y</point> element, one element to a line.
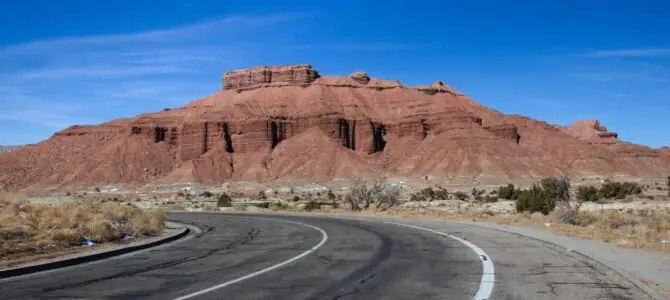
<point>176,231</point>
<point>635,265</point>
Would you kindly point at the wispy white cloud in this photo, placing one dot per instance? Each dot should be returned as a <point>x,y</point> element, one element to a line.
<point>642,52</point>
<point>64,81</point>
<point>186,32</point>
<point>100,72</point>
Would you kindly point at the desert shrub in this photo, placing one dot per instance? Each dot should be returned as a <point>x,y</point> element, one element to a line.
<point>489,198</point>
<point>573,216</point>
<point>441,193</point>
<point>418,196</point>
<point>331,195</point>
<point>535,199</point>
<point>587,194</point>
<point>261,195</point>
<point>262,205</point>
<point>508,192</point>
<point>667,183</point>
<point>224,201</point>
<point>461,195</point>
<point>360,196</point>
<point>296,198</point>
<point>387,197</point>
<point>557,188</point>
<point>619,190</point>
<point>363,195</point>
<point>428,193</point>
<point>312,205</point>
<point>477,193</point>
<point>206,194</point>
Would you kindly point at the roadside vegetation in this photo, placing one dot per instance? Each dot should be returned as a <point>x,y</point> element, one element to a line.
<point>549,203</point>
<point>34,229</point>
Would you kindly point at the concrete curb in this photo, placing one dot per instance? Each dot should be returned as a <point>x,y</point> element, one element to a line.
<point>85,258</point>
<point>645,288</point>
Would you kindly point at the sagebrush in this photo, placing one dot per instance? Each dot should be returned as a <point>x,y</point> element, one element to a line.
<point>363,195</point>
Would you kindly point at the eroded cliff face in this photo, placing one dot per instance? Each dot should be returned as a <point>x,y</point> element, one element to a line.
<point>289,122</point>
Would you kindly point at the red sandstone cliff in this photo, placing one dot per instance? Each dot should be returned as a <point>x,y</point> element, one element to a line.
<point>289,123</point>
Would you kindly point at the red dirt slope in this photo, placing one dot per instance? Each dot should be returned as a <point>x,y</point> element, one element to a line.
<point>290,123</point>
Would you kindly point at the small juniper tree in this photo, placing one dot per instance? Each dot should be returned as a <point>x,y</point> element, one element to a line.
<point>557,188</point>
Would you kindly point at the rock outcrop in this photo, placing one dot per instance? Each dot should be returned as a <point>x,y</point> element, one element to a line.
<point>593,132</point>
<point>290,123</point>
<point>269,76</point>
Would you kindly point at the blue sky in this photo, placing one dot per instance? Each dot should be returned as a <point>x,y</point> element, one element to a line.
<point>82,62</point>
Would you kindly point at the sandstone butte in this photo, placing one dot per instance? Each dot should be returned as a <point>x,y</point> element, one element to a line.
<point>288,123</point>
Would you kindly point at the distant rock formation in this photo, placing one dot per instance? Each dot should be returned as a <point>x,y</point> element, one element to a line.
<point>291,123</point>
<point>266,76</point>
<point>592,131</point>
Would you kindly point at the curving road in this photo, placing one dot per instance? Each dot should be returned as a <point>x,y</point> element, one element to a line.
<point>307,257</point>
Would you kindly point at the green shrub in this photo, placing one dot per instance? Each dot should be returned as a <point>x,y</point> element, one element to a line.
<point>619,190</point>
<point>441,193</point>
<point>587,194</point>
<point>461,196</point>
<point>535,199</point>
<point>417,197</point>
<point>557,188</point>
<point>430,194</point>
<point>224,201</point>
<point>508,192</point>
<point>427,193</point>
<point>477,193</point>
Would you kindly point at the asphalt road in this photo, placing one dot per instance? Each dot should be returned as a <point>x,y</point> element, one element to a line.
<point>306,257</point>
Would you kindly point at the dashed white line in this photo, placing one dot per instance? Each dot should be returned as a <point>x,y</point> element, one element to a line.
<point>488,273</point>
<point>268,269</point>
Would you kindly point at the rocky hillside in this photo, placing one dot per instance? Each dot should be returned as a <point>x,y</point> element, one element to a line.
<point>6,149</point>
<point>291,123</point>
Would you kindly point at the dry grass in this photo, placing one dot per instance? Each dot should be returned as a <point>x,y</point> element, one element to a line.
<point>631,228</point>
<point>27,229</point>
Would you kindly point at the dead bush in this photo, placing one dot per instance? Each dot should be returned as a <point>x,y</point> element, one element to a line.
<point>557,188</point>
<point>573,216</point>
<point>362,195</point>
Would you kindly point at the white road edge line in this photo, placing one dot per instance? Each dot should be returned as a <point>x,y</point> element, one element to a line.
<point>488,273</point>
<point>324,239</point>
